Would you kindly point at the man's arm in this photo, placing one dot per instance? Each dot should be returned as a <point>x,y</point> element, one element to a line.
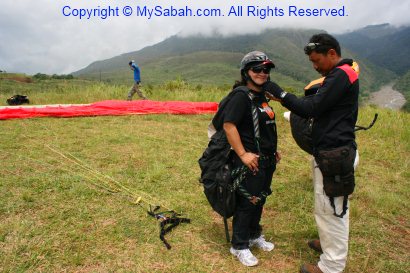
<point>328,95</point>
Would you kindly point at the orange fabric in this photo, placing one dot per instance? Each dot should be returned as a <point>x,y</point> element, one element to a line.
<point>315,82</point>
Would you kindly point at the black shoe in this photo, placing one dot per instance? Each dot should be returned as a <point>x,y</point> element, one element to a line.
<point>315,245</point>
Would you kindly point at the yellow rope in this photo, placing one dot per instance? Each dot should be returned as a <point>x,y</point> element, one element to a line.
<point>136,194</point>
<point>113,185</point>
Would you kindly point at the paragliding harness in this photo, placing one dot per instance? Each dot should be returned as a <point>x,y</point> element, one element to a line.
<point>337,167</point>
<point>220,179</point>
<point>17,100</point>
<point>167,221</point>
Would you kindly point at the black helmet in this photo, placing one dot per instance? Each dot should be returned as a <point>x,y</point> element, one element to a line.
<point>255,58</point>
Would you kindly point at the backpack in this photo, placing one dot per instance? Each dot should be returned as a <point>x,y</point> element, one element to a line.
<point>301,129</point>
<point>218,176</point>
<point>216,167</point>
<point>17,100</point>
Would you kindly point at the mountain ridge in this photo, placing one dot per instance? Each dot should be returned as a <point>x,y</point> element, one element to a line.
<point>215,60</point>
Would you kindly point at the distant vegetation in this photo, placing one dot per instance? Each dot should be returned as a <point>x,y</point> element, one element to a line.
<point>403,86</point>
<point>40,76</point>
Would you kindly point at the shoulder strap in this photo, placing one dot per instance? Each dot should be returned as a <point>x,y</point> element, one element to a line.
<point>255,120</point>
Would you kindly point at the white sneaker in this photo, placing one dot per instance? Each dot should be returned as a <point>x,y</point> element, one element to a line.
<point>245,256</point>
<point>262,243</point>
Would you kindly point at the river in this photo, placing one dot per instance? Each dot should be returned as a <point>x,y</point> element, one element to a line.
<point>387,97</point>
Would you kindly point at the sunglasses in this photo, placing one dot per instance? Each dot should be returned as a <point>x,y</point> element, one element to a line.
<point>310,47</point>
<point>259,69</point>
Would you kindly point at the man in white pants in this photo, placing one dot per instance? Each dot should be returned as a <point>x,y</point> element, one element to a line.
<point>333,111</point>
<point>333,231</point>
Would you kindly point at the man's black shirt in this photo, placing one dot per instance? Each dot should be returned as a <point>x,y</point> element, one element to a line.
<point>334,107</point>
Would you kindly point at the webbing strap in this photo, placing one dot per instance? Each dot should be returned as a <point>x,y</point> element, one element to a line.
<point>358,127</point>
<point>239,174</point>
<point>172,220</point>
<point>255,121</point>
<point>332,203</point>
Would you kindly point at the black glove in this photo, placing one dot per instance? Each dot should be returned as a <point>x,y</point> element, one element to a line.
<point>272,88</point>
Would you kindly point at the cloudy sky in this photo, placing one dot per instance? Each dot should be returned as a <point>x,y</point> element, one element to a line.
<point>49,36</point>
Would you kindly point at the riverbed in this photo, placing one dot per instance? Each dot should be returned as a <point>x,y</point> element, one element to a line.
<point>387,97</point>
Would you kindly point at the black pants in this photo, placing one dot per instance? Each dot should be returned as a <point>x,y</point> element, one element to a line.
<point>246,220</point>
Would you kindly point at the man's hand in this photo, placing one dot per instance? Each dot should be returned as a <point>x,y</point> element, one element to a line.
<point>271,88</point>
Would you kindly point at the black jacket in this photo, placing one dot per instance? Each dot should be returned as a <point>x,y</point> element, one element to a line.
<point>334,108</point>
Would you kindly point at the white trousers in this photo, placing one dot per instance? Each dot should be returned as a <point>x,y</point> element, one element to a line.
<point>333,231</point>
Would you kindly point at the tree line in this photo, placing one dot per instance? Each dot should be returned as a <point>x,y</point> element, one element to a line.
<point>41,76</point>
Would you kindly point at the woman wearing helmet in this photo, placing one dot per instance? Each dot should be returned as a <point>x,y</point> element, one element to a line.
<point>258,154</point>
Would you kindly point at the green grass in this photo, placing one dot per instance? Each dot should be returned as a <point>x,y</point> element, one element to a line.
<point>85,91</point>
<point>55,218</point>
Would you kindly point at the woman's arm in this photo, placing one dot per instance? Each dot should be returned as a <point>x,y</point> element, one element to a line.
<point>249,159</point>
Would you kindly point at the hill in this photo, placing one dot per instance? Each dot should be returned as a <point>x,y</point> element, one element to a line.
<point>215,60</point>
<point>383,45</point>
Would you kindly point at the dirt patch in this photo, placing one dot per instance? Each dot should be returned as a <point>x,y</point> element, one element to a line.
<point>20,79</point>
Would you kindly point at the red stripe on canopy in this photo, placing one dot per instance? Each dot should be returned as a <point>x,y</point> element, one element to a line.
<point>111,108</point>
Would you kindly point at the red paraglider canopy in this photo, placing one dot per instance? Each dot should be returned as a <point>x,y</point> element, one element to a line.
<point>109,108</point>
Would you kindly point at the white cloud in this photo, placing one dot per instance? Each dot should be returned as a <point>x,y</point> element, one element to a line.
<point>36,37</point>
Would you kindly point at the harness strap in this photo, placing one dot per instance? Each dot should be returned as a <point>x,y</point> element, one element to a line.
<point>332,203</point>
<point>239,174</point>
<point>172,220</point>
<point>358,127</point>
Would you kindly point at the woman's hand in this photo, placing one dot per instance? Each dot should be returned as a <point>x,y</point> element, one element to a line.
<point>251,161</point>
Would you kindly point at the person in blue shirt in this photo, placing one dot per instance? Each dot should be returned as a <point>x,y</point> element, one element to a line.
<point>137,80</point>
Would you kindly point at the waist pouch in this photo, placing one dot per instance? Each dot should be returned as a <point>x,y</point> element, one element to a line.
<point>337,169</point>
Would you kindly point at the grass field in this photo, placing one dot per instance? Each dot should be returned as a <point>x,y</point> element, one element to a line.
<point>57,216</point>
